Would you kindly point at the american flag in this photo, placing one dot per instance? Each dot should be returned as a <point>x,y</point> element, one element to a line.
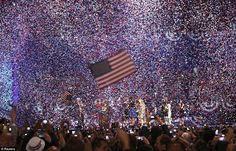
<point>113,69</point>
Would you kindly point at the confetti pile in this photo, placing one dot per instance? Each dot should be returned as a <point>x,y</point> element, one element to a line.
<point>183,50</point>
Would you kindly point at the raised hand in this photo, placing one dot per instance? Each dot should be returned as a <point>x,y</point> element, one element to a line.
<point>124,138</point>
<point>13,115</point>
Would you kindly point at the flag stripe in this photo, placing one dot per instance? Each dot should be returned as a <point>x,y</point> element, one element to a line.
<point>117,79</point>
<point>123,57</point>
<point>120,66</point>
<point>127,60</point>
<point>117,74</point>
<point>114,71</point>
<point>117,56</point>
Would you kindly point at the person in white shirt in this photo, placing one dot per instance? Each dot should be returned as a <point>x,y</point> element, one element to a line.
<point>167,109</point>
<point>141,109</point>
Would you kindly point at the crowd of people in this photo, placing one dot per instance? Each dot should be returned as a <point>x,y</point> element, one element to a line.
<point>44,136</point>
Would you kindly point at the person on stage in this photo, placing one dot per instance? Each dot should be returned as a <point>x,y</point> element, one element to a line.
<point>81,109</point>
<point>181,112</point>
<point>141,109</point>
<point>126,114</point>
<point>166,111</point>
<point>103,111</point>
<point>169,113</point>
<point>132,114</point>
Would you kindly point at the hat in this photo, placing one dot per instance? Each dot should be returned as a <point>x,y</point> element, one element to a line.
<point>35,144</point>
<point>186,136</point>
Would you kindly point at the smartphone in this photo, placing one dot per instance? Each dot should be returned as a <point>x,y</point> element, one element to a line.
<point>72,132</point>
<point>107,137</point>
<point>217,132</point>
<point>140,138</point>
<point>28,128</point>
<point>45,121</point>
<point>222,138</point>
<point>89,136</point>
<point>65,126</point>
<point>56,129</point>
<point>40,133</point>
<point>131,131</point>
<point>9,129</point>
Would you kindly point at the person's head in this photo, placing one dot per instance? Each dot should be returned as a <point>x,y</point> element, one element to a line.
<point>35,144</point>
<point>186,136</point>
<point>144,131</point>
<point>175,146</point>
<point>162,142</point>
<point>48,128</point>
<point>165,129</point>
<point>231,147</point>
<point>3,121</point>
<point>220,146</point>
<point>132,141</point>
<point>74,144</point>
<point>1,128</point>
<point>53,148</point>
<point>155,132</point>
<point>6,139</point>
<point>145,148</point>
<point>201,145</point>
<point>99,144</point>
<point>208,134</point>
